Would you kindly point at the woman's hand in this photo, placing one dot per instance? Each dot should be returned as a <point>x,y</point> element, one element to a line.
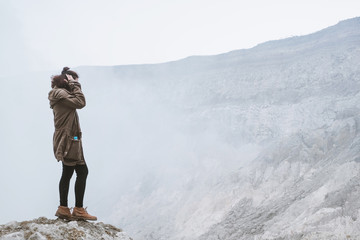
<point>70,78</point>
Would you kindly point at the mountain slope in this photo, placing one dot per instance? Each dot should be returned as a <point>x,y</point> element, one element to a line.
<point>305,187</point>
<point>274,111</point>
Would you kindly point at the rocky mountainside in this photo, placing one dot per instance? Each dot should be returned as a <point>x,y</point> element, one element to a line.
<point>305,187</point>
<point>46,229</point>
<point>271,145</point>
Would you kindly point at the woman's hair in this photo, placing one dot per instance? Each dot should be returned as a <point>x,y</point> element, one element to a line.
<point>67,70</point>
<point>60,81</point>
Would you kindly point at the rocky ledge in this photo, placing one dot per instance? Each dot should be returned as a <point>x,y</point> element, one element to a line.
<point>48,229</point>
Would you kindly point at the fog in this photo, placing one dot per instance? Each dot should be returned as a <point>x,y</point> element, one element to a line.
<point>25,176</point>
<point>134,131</point>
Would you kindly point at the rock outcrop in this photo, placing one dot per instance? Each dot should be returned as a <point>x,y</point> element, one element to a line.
<point>49,229</point>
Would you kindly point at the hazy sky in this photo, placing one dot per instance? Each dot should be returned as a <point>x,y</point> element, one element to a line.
<point>48,34</point>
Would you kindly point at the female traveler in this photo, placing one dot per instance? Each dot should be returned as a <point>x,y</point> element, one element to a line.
<point>65,97</point>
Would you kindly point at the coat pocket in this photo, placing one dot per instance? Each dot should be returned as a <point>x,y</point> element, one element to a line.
<point>73,150</point>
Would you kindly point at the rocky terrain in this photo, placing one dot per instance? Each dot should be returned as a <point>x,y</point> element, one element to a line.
<point>47,229</point>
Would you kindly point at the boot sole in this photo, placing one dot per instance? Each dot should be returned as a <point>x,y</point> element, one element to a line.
<point>82,219</point>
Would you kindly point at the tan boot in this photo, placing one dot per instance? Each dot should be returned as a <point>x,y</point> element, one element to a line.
<point>82,214</point>
<point>63,213</point>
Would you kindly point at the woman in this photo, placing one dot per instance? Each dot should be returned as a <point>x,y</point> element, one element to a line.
<point>65,97</point>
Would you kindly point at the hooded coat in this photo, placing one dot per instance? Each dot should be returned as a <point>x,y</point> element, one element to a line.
<point>67,140</point>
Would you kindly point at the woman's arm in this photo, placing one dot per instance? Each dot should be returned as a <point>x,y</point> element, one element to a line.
<point>76,98</point>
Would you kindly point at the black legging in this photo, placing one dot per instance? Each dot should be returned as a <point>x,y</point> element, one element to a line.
<point>80,184</point>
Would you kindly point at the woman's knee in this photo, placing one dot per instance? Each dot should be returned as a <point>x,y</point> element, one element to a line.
<point>82,171</point>
<point>67,173</point>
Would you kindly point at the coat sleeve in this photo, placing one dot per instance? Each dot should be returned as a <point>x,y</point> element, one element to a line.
<point>76,98</point>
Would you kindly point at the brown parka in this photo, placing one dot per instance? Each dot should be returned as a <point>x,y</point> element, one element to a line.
<point>67,136</point>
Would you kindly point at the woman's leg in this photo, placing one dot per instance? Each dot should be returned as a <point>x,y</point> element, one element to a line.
<point>80,184</point>
<point>79,212</point>
<point>64,183</point>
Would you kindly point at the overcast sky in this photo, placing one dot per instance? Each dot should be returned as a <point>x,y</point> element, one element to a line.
<point>49,34</point>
